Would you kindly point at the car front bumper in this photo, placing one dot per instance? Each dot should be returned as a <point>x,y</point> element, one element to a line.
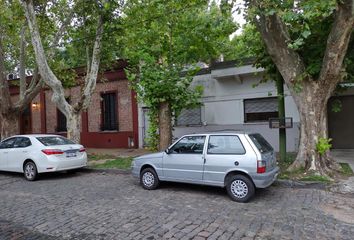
<point>265,179</point>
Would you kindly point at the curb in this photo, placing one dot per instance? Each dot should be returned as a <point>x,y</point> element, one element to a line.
<point>300,184</point>
<point>106,170</point>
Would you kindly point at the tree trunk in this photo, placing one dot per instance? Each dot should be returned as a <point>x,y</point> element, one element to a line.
<point>9,125</point>
<point>165,126</point>
<point>74,127</point>
<point>313,117</point>
<point>281,111</point>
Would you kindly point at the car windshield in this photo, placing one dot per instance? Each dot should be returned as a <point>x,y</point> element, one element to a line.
<point>54,140</point>
<point>262,144</point>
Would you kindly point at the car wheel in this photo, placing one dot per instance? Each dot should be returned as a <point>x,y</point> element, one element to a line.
<point>30,171</point>
<point>149,179</point>
<point>240,188</point>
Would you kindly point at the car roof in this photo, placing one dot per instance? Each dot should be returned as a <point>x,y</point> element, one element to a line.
<point>36,135</point>
<point>220,133</point>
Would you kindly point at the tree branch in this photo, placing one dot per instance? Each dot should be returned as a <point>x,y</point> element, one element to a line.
<point>46,73</point>
<point>337,42</point>
<point>92,68</point>
<point>5,101</point>
<point>63,27</point>
<point>276,38</point>
<point>22,69</point>
<point>33,90</point>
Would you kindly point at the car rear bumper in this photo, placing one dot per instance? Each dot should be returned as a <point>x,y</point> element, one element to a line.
<point>265,179</point>
<point>63,165</point>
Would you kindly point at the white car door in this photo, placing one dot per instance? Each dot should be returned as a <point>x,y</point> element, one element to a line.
<point>185,159</point>
<point>6,147</point>
<point>18,154</point>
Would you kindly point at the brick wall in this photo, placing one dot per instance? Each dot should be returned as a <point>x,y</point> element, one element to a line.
<point>51,113</point>
<point>125,119</point>
<point>36,116</point>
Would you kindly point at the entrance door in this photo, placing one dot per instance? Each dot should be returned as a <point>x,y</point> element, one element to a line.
<point>25,121</point>
<point>341,124</point>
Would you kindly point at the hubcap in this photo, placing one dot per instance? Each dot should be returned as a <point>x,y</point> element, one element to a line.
<point>239,188</point>
<point>148,179</point>
<point>29,171</point>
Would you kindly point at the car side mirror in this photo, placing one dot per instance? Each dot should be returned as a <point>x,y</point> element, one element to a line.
<point>167,151</point>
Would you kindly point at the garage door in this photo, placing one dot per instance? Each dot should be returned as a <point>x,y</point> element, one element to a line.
<point>341,124</point>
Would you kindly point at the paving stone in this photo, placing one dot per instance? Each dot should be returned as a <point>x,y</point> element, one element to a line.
<point>93,206</point>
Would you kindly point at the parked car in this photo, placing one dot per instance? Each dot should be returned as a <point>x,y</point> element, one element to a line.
<point>238,161</point>
<point>34,154</point>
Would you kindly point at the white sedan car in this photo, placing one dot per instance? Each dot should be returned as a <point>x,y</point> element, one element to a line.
<point>34,154</point>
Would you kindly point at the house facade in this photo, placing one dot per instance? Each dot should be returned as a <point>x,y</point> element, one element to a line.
<point>111,121</point>
<point>235,99</point>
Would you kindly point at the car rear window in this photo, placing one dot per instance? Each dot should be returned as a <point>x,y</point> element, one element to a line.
<point>262,144</point>
<point>52,141</point>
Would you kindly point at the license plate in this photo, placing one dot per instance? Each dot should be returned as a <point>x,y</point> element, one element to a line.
<point>70,154</point>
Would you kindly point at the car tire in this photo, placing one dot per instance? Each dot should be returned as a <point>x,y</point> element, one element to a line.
<point>240,188</point>
<point>30,171</point>
<point>149,179</point>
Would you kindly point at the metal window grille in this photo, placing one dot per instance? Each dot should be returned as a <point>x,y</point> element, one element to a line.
<point>189,117</point>
<point>109,112</point>
<point>61,123</point>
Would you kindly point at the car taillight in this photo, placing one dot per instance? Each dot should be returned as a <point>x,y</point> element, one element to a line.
<point>261,166</point>
<point>52,151</point>
<point>82,150</point>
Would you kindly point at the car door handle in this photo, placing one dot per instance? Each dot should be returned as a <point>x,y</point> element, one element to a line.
<point>25,151</point>
<point>6,152</point>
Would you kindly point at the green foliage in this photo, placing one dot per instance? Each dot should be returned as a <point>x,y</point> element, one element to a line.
<point>159,83</point>
<point>96,157</point>
<point>346,169</point>
<point>308,24</point>
<point>163,41</point>
<point>336,106</point>
<point>323,145</point>
<point>152,138</point>
<point>316,178</point>
<point>118,163</point>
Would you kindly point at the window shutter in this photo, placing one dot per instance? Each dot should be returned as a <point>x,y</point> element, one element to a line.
<point>261,105</point>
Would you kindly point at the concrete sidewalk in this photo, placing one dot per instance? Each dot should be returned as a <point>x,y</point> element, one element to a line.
<point>344,156</point>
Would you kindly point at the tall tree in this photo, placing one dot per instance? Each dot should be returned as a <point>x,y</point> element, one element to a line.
<point>88,19</point>
<point>249,45</point>
<point>162,38</point>
<point>14,61</point>
<point>308,42</point>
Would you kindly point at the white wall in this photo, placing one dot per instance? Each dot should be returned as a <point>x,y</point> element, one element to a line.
<point>224,92</point>
<point>223,99</point>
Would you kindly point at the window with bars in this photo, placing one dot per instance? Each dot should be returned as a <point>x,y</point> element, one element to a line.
<point>61,122</point>
<point>61,119</point>
<point>189,117</point>
<point>109,112</point>
<point>260,109</point>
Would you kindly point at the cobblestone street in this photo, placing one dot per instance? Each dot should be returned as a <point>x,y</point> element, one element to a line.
<point>89,205</point>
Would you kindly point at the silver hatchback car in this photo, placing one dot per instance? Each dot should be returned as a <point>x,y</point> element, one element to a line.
<point>238,161</point>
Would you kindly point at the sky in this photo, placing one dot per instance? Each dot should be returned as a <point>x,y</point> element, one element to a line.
<point>239,17</point>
